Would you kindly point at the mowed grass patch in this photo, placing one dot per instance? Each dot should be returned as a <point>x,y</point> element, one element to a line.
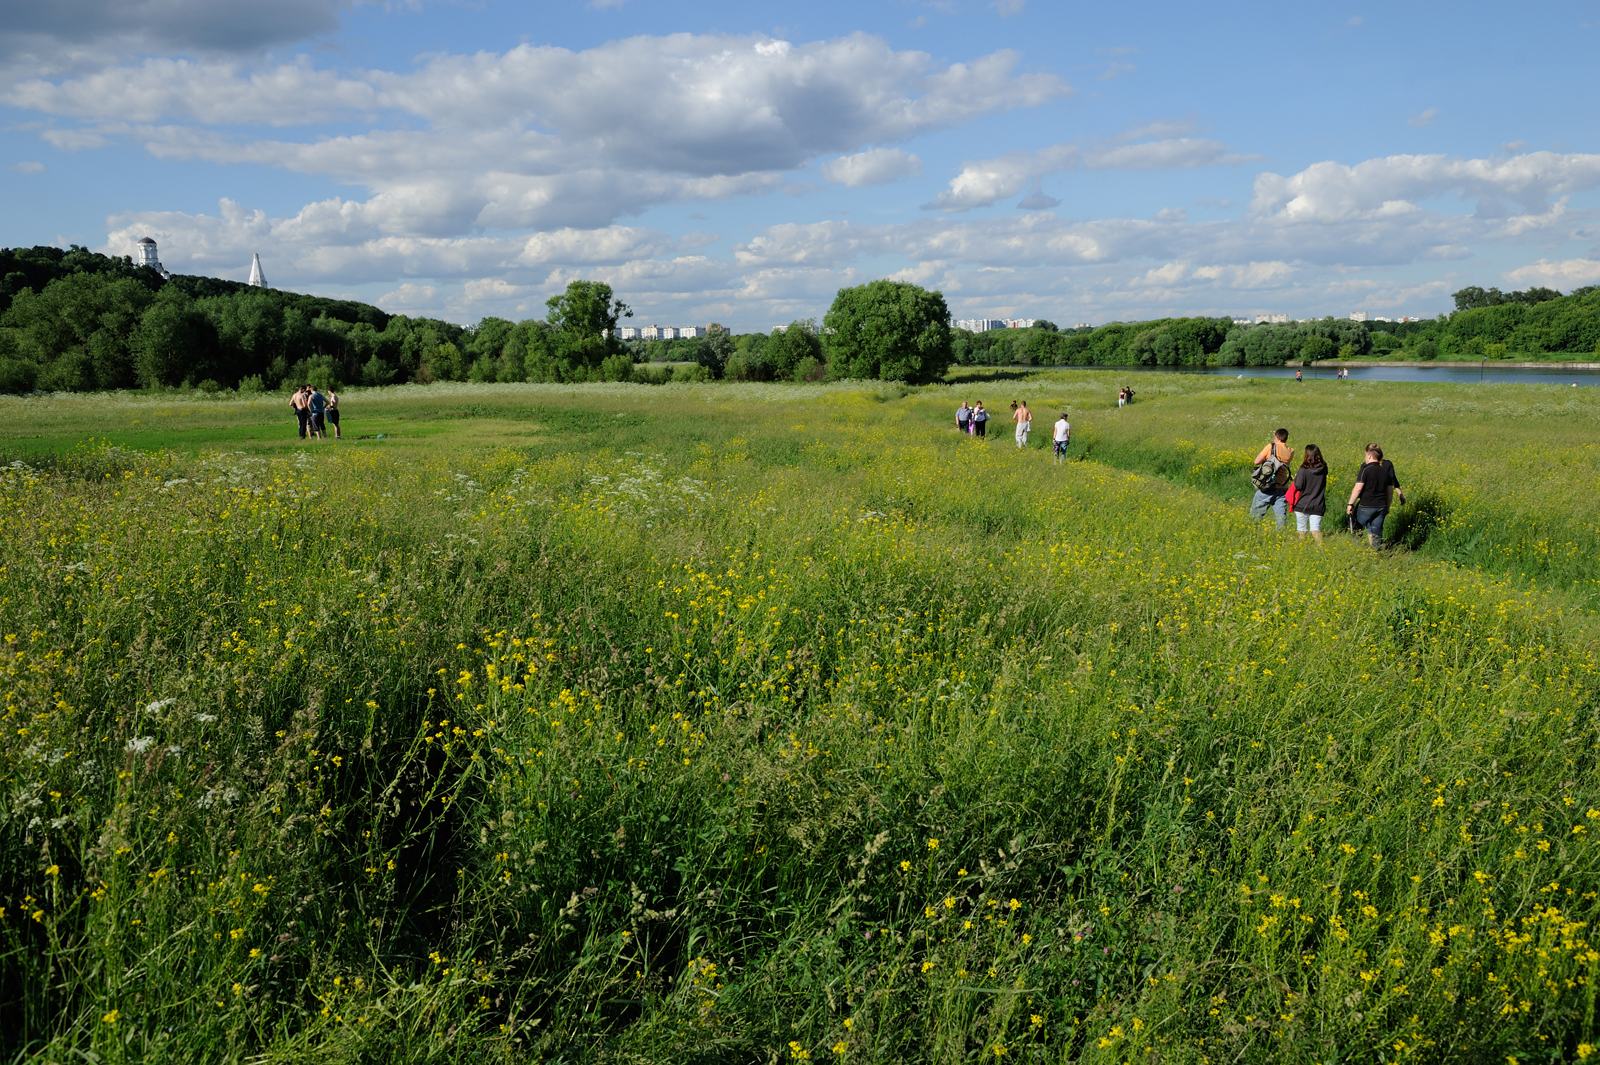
<point>777,723</point>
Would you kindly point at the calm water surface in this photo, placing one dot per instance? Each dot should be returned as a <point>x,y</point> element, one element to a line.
<point>1455,373</point>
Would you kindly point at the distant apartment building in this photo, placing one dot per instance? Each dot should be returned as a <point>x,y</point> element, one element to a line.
<point>661,332</point>
<point>1272,319</point>
<point>1359,316</point>
<point>983,325</point>
<point>1244,321</point>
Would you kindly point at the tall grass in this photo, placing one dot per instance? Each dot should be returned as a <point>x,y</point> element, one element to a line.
<point>855,742</point>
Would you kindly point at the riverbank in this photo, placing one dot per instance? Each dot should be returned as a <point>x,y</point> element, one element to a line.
<point>1454,364</point>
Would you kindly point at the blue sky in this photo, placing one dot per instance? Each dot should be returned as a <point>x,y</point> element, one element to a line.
<point>741,162</point>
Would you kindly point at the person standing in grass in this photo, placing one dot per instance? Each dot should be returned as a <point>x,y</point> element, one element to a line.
<point>302,413</point>
<point>1024,419</point>
<point>963,415</point>
<point>332,413</point>
<point>980,420</point>
<point>1063,437</point>
<point>318,405</point>
<point>1376,485</point>
<point>1271,498</point>
<point>1312,501</point>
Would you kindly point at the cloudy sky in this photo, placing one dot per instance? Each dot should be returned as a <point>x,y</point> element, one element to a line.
<point>739,162</point>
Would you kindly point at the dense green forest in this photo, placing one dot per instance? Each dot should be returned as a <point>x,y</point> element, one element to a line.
<point>73,320</point>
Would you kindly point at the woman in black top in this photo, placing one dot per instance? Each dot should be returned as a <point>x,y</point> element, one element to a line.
<point>1311,484</point>
<point>1369,498</point>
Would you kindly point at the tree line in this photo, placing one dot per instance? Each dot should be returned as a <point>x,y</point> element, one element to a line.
<point>1490,324</point>
<point>73,320</point>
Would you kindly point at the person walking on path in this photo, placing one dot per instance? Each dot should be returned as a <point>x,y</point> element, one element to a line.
<point>1063,437</point>
<point>1297,375</point>
<point>980,420</point>
<point>1311,488</point>
<point>1277,456</point>
<point>963,415</point>
<point>1376,485</point>
<point>318,405</point>
<point>332,413</point>
<point>302,412</point>
<point>1024,419</point>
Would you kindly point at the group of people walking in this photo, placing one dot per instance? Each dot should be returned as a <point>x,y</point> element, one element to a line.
<point>973,419</point>
<point>1280,488</point>
<point>315,410</point>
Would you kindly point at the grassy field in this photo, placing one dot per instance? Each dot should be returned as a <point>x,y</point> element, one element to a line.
<point>778,723</point>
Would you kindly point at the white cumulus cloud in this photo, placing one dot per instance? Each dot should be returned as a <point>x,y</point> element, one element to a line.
<point>987,181</point>
<point>1565,274</point>
<point>875,166</point>
<point>1392,186</point>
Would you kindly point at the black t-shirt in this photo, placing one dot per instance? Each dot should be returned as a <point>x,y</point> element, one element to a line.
<point>1376,479</point>
<point>1312,483</point>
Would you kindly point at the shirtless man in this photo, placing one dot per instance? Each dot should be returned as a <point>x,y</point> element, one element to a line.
<point>1024,419</point>
<point>301,402</point>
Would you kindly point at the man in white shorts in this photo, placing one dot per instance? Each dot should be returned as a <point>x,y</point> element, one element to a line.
<point>1063,437</point>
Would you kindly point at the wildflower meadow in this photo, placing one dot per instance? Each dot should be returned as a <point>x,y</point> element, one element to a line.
<point>773,723</point>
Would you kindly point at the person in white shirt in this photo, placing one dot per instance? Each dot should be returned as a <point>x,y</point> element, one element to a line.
<point>1063,437</point>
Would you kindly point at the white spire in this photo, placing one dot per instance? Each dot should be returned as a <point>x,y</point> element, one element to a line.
<point>257,278</point>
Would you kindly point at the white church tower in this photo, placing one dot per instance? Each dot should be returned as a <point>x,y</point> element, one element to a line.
<point>145,255</point>
<point>257,278</point>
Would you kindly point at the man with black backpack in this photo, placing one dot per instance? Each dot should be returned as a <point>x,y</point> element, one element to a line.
<point>1271,477</point>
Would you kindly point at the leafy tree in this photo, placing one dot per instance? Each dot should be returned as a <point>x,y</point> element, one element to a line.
<point>85,316</point>
<point>1316,346</point>
<point>583,321</point>
<point>714,350</point>
<point>446,363</point>
<point>375,372</point>
<point>1472,297</point>
<point>891,330</point>
<point>788,347</point>
<point>173,339</point>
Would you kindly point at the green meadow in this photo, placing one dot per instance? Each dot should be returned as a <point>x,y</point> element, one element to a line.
<point>760,723</point>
